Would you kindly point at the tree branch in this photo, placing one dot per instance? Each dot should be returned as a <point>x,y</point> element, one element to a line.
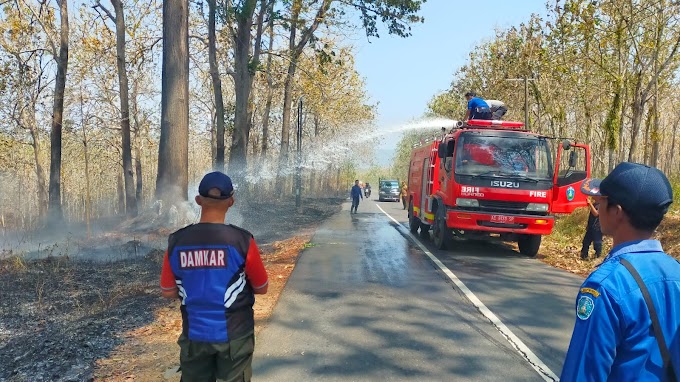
<point>103,8</point>
<point>307,34</point>
<point>48,35</point>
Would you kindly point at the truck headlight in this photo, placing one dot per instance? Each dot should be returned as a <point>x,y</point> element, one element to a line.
<point>464,202</point>
<point>537,207</point>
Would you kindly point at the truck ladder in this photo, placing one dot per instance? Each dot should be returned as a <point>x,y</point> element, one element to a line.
<point>430,170</point>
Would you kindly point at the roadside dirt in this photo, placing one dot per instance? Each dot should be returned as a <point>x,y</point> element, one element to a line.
<point>63,319</point>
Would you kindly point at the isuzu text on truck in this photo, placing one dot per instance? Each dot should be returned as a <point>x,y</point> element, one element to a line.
<point>494,178</point>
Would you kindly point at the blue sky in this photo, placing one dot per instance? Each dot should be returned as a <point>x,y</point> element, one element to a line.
<point>402,75</point>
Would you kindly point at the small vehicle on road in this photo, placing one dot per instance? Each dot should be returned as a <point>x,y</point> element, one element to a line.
<point>388,189</point>
<point>492,178</point>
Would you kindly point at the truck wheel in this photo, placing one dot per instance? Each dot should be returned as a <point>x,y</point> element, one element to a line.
<point>440,232</point>
<point>413,222</point>
<point>424,230</point>
<point>529,244</point>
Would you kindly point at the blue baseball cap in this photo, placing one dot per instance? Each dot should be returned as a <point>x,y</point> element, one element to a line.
<point>216,180</point>
<point>637,188</point>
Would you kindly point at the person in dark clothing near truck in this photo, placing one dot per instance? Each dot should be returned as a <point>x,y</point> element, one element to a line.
<point>593,232</point>
<point>356,194</point>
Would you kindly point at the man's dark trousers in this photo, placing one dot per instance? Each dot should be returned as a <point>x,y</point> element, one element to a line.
<point>355,204</point>
<point>594,236</point>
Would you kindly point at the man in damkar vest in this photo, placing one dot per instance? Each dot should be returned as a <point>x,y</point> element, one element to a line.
<point>216,270</point>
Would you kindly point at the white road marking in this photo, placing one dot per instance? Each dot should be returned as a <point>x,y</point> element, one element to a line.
<point>541,368</point>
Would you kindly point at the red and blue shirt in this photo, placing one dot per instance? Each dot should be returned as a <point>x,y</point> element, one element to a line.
<point>215,268</point>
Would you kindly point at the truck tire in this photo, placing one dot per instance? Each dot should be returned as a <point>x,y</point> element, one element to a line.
<point>424,230</point>
<point>529,244</point>
<point>441,234</point>
<point>413,222</point>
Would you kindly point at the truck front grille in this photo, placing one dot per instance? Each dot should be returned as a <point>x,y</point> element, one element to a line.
<point>500,205</point>
<point>503,207</point>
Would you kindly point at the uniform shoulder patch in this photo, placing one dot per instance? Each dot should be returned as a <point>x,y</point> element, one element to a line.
<point>592,291</point>
<point>585,307</point>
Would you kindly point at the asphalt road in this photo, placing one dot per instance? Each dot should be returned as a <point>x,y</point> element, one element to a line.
<point>366,304</point>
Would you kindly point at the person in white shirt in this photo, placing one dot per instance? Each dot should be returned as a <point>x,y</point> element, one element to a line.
<point>498,108</point>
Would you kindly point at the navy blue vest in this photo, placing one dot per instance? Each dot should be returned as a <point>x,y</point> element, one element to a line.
<point>208,261</point>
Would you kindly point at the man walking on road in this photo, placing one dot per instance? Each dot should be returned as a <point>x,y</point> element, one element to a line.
<point>356,194</point>
<point>628,310</point>
<point>216,270</point>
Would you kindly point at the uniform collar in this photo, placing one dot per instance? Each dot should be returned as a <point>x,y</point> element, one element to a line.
<point>634,247</point>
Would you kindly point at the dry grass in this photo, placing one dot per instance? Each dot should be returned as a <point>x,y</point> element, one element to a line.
<point>562,248</point>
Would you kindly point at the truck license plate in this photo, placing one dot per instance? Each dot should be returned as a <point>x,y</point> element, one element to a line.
<point>502,219</point>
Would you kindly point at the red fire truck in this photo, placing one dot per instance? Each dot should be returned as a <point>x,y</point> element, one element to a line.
<point>492,178</point>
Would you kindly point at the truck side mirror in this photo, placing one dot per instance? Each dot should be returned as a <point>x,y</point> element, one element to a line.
<point>441,150</point>
<point>566,145</point>
<point>449,148</point>
<point>573,159</point>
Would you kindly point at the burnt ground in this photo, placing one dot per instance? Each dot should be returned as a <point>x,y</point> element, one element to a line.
<point>60,316</point>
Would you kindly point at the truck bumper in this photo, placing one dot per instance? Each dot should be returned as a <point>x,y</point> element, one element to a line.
<point>499,223</point>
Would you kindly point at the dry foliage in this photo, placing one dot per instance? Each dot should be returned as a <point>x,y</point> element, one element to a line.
<point>562,248</point>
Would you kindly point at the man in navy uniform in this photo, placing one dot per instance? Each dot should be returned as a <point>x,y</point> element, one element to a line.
<point>215,270</point>
<point>628,310</point>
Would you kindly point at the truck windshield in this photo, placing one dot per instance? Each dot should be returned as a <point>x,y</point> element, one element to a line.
<point>389,184</point>
<point>502,155</point>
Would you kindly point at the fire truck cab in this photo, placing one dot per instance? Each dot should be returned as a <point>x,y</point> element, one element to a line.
<point>492,178</point>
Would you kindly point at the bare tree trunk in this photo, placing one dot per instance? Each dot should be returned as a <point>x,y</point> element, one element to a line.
<point>242,88</point>
<point>27,101</point>
<point>120,191</point>
<point>139,189</point>
<point>288,98</point>
<point>217,87</point>
<point>638,110</point>
<point>56,214</point>
<point>39,171</point>
<point>270,95</point>
<point>313,173</point>
<point>295,50</point>
<point>130,200</point>
<point>648,123</point>
<point>213,138</point>
<point>88,200</point>
<point>173,151</point>
<point>257,49</point>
